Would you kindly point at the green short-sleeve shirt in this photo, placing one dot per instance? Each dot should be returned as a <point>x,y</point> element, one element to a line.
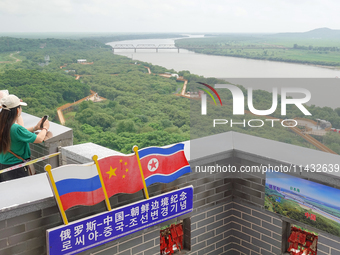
<point>20,140</point>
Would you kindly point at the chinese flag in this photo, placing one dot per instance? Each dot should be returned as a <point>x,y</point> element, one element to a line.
<point>121,174</point>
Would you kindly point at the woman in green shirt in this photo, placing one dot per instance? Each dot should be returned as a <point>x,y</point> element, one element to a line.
<point>15,139</point>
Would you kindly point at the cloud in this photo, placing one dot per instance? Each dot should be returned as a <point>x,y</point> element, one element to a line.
<point>240,12</point>
<point>35,7</point>
<point>167,16</point>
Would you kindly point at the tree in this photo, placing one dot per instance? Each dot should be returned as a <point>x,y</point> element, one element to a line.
<point>125,126</point>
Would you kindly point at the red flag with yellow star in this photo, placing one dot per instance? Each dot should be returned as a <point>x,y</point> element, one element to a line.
<point>120,174</point>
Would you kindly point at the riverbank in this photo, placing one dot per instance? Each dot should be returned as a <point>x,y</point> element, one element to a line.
<point>328,67</point>
<point>321,53</point>
<point>293,61</point>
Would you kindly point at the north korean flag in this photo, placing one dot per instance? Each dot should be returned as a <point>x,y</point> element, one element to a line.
<point>163,164</point>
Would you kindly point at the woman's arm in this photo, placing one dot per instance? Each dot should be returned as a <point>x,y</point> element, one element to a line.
<point>41,136</point>
<point>20,121</point>
<point>36,127</point>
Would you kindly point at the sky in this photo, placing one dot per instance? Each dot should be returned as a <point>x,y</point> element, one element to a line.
<point>183,16</point>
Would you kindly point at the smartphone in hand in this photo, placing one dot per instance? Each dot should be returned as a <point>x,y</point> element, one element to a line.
<point>44,119</point>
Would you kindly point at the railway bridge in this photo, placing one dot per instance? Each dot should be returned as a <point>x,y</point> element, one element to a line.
<point>145,47</point>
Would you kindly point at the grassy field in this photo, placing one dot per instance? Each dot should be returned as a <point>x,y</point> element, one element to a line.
<point>9,58</point>
<point>315,42</point>
<point>70,115</point>
<point>5,57</point>
<point>324,52</point>
<point>287,55</point>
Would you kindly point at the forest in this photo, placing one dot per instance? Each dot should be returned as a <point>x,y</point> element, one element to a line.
<point>25,44</point>
<point>140,108</point>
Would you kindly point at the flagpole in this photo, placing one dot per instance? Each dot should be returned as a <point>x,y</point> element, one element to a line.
<point>56,194</point>
<point>107,201</point>
<point>135,149</point>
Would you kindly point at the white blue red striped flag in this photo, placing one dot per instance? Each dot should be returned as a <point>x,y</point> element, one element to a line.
<point>78,185</point>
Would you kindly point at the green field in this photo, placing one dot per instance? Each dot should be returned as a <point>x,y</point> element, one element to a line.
<point>70,115</point>
<point>285,48</point>
<point>9,59</point>
<point>293,210</point>
<point>5,57</point>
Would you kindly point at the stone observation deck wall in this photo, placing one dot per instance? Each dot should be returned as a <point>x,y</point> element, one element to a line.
<point>228,215</point>
<point>62,136</point>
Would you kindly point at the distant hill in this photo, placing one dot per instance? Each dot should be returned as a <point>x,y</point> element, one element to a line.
<point>324,33</point>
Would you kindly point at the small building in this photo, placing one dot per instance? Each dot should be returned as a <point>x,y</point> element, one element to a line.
<point>323,123</point>
<point>81,61</point>
<point>68,71</point>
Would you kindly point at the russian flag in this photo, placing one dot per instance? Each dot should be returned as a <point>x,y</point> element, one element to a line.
<point>78,185</point>
<point>163,164</point>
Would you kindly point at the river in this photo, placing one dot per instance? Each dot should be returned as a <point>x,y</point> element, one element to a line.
<point>323,93</point>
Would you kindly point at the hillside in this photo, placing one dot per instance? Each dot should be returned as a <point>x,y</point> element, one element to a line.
<point>318,33</point>
<point>141,108</point>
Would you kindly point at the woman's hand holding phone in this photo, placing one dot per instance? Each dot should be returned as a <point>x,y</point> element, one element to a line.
<point>43,123</point>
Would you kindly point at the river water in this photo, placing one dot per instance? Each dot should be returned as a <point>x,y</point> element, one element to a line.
<point>323,93</point>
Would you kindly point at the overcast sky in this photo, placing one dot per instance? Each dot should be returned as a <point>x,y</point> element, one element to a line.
<point>236,16</point>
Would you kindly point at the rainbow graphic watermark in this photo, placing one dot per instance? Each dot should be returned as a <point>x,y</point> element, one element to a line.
<point>204,98</point>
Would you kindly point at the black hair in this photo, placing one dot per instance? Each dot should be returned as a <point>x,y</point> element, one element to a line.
<point>7,119</point>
